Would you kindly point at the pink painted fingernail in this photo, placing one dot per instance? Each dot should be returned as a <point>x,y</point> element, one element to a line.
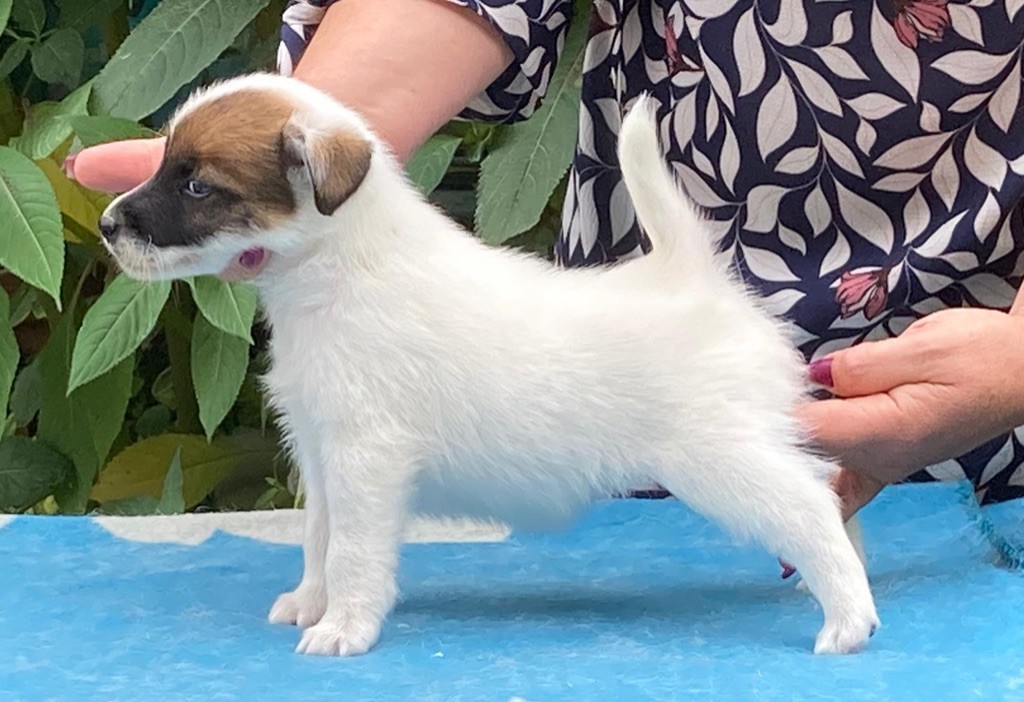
<point>787,571</point>
<point>69,166</point>
<point>821,372</point>
<point>251,258</point>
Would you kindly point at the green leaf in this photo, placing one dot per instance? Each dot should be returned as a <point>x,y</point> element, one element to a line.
<point>26,397</point>
<point>172,499</point>
<point>167,50</point>
<point>46,126</point>
<point>29,471</point>
<point>117,323</point>
<point>431,161</point>
<point>9,353</point>
<point>29,15</point>
<point>520,173</point>
<point>92,130</point>
<point>230,307</point>
<point>84,424</point>
<point>31,236</point>
<point>12,58</point>
<point>141,469</point>
<point>219,363</point>
<point>81,14</point>
<point>5,13</point>
<point>59,59</point>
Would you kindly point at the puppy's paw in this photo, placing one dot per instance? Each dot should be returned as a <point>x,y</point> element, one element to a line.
<point>848,635</point>
<point>303,606</point>
<point>350,636</point>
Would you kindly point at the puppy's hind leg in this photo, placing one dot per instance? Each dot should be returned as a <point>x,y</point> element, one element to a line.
<point>767,490</point>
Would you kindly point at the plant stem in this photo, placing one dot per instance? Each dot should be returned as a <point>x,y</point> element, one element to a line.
<point>178,332</point>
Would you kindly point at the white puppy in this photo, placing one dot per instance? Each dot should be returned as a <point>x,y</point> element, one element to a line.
<point>416,368</point>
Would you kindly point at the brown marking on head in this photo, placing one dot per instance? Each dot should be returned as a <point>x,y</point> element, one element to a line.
<point>234,142</point>
<point>237,150</point>
<point>337,162</point>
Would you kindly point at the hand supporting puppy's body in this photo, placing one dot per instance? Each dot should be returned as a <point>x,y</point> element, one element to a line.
<point>416,368</point>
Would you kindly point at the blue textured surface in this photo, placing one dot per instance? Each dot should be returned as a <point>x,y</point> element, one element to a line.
<point>642,600</point>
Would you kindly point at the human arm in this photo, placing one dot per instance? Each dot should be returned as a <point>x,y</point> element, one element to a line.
<point>407,65</point>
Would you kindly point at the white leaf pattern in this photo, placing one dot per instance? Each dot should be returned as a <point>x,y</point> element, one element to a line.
<point>763,207</point>
<point>836,257</point>
<point>971,67</point>
<point>968,102</point>
<point>866,136</point>
<point>841,155</point>
<point>703,163</point>
<point>985,163</point>
<point>990,291</point>
<point>912,153</point>
<point>938,242</point>
<point>817,89</point>
<point>776,118</point>
<point>916,216</point>
<point>841,63</point>
<point>799,160</point>
<point>997,463</point>
<point>987,218</point>
<point>874,105</point>
<point>711,118</point>
<point>1004,104</point>
<point>966,23</point>
<point>842,27</point>
<point>791,27</point>
<point>946,178</point>
<point>898,60</point>
<point>729,161</point>
<point>768,265</point>
<point>930,118</point>
<point>899,182</point>
<point>865,218</point>
<point>718,80</point>
<point>792,239</point>
<point>1004,244</point>
<point>817,211</point>
<point>750,58</point>
<point>781,302</point>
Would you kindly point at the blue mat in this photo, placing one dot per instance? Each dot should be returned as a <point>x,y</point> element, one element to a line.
<point>642,600</point>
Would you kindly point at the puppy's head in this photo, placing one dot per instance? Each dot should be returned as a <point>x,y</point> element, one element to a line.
<point>253,165</point>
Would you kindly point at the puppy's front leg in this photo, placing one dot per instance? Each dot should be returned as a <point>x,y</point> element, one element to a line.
<point>366,486</point>
<point>305,604</point>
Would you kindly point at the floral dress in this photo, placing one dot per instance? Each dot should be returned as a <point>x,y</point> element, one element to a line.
<point>862,161</point>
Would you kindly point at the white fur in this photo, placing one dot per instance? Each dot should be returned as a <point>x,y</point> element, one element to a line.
<point>416,368</point>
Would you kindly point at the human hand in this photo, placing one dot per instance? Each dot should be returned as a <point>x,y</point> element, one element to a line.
<point>950,382</point>
<point>122,165</point>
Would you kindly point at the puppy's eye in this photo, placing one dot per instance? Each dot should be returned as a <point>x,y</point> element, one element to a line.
<point>197,188</point>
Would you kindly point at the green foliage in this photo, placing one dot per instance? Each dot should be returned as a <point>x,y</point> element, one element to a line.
<point>140,398</point>
<point>522,170</point>
<point>168,49</point>
<point>115,325</point>
<point>29,471</point>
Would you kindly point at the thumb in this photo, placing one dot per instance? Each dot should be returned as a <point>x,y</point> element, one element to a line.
<point>117,166</point>
<point>868,368</point>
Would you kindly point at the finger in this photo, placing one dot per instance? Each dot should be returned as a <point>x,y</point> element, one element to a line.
<point>863,433</point>
<point>1018,303</point>
<point>870,368</point>
<point>855,490</point>
<point>117,166</point>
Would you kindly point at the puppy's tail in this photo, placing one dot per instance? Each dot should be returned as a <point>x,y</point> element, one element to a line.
<point>683,249</point>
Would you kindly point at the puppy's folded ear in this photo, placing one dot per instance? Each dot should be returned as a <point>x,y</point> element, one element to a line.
<point>335,160</point>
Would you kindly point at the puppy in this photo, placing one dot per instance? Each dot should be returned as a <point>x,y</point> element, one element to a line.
<point>415,368</point>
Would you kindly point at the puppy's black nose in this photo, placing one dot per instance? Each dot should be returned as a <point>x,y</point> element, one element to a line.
<point>108,228</point>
